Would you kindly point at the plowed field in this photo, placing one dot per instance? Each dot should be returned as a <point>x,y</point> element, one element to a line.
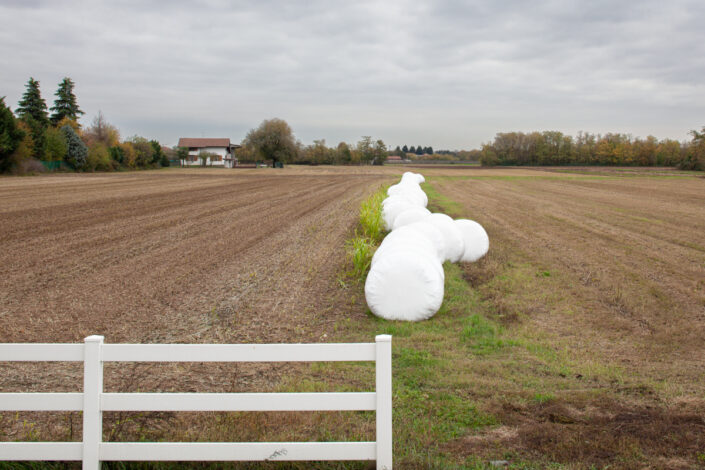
<point>575,343</point>
<point>151,257</point>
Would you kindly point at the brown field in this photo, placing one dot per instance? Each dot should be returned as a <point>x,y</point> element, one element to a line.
<point>593,295</point>
<point>152,257</point>
<point>609,273</point>
<point>172,256</point>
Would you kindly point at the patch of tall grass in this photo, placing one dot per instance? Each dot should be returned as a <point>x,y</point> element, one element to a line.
<point>368,235</point>
<point>371,216</point>
<point>360,250</point>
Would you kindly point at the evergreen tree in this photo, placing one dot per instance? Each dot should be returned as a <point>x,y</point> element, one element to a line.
<point>76,151</point>
<point>430,150</point>
<point>32,109</point>
<point>10,135</point>
<point>158,156</point>
<point>65,104</point>
<point>117,154</point>
<point>419,150</point>
<point>405,149</point>
<point>412,149</point>
<point>37,131</point>
<point>32,105</point>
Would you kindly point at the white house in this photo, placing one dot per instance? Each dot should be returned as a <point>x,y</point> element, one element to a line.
<point>223,152</point>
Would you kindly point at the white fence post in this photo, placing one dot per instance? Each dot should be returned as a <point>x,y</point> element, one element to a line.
<point>92,388</point>
<point>383,388</point>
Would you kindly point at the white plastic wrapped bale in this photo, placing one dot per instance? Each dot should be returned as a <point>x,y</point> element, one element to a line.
<point>477,243</point>
<point>403,197</point>
<point>433,235</point>
<point>409,191</point>
<point>392,210</point>
<point>454,244</point>
<point>405,284</point>
<point>409,238</point>
<point>412,177</point>
<point>409,216</point>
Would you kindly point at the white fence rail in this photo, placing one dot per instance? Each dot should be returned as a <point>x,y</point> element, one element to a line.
<point>93,401</point>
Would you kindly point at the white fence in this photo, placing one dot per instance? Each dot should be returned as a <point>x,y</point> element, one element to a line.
<point>93,401</point>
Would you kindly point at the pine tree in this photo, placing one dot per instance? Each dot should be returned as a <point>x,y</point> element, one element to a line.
<point>412,149</point>
<point>430,150</point>
<point>65,104</point>
<point>10,135</point>
<point>32,105</point>
<point>405,149</point>
<point>419,150</point>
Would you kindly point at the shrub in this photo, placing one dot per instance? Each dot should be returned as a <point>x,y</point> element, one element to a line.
<point>98,157</point>
<point>143,151</point>
<point>117,154</point>
<point>128,154</point>
<point>56,145</point>
<point>25,149</point>
<point>77,153</point>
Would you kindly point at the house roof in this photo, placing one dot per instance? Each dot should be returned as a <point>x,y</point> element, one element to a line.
<point>204,142</point>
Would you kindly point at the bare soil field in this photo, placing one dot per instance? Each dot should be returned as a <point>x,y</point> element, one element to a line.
<point>150,256</point>
<point>169,256</point>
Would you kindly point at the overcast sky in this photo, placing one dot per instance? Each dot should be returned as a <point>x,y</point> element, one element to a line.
<point>449,74</point>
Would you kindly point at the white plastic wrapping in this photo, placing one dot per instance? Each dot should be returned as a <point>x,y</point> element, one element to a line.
<point>454,243</point>
<point>405,285</point>
<point>475,238</point>
<point>393,209</point>
<point>409,191</point>
<point>409,216</point>
<point>406,275</point>
<point>433,235</point>
<point>408,238</point>
<point>412,177</point>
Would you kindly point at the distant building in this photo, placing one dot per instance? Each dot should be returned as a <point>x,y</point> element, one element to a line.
<point>394,159</point>
<point>223,151</point>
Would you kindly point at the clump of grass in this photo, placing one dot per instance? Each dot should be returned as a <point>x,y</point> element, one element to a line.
<point>360,251</point>
<point>368,235</point>
<point>371,216</point>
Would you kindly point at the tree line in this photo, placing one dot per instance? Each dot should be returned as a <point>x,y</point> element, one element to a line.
<point>404,150</point>
<point>274,140</point>
<point>556,148</point>
<point>31,135</point>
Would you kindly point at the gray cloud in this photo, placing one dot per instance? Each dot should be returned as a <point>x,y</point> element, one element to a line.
<point>445,73</point>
